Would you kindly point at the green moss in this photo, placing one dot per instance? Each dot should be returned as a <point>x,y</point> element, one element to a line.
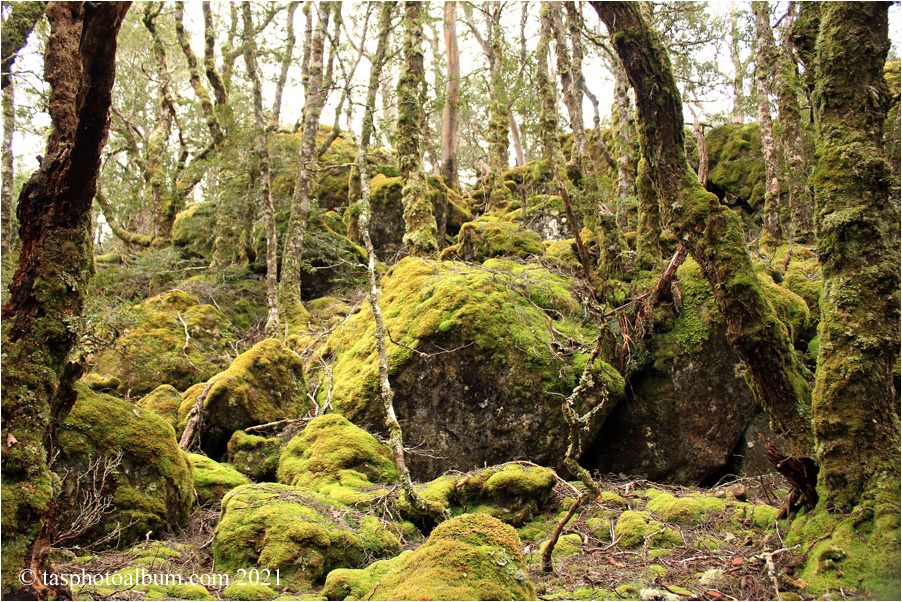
<point>164,401</point>
<point>736,162</point>
<point>353,584</point>
<point>471,557</point>
<point>185,591</point>
<point>264,384</point>
<point>303,534</point>
<point>685,510</point>
<point>192,228</point>
<point>515,492</point>
<point>332,451</point>
<point>154,352</point>
<point>151,487</point>
<point>254,456</point>
<point>101,383</point>
<point>488,237</point>
<point>213,480</point>
<point>633,527</point>
<point>856,552</point>
<point>567,545</point>
<point>247,591</point>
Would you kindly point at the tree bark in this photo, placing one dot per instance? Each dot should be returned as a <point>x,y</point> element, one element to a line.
<point>7,171</point>
<point>855,405</point>
<point>291,310</point>
<point>47,292</point>
<point>420,229</point>
<point>711,231</point>
<point>738,91</point>
<point>450,113</point>
<point>287,50</point>
<point>772,235</point>
<point>17,27</point>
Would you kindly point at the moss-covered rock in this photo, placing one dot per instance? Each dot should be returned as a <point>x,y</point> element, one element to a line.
<point>164,401</point>
<point>686,510</point>
<point>303,534</point>
<point>192,230</point>
<point>513,492</point>
<point>354,584</point>
<point>492,393</point>
<point>633,527</point>
<point>254,456</point>
<point>149,484</point>
<point>264,384</point>
<point>248,591</point>
<point>213,480</point>
<point>689,403</point>
<point>471,557</point>
<point>736,164</point>
<point>488,237</point>
<point>100,383</point>
<point>157,351</point>
<point>336,458</point>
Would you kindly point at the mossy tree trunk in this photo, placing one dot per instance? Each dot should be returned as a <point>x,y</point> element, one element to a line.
<point>625,167</point>
<point>737,113</point>
<point>855,403</point>
<point>420,229</point>
<point>648,231</point>
<point>263,169</point>
<point>450,112</point>
<point>290,307</point>
<point>40,319</point>
<point>23,16</point>
<point>772,235</point>
<point>499,124</point>
<point>711,231</point>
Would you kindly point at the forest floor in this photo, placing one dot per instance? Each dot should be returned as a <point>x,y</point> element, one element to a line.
<point>722,543</point>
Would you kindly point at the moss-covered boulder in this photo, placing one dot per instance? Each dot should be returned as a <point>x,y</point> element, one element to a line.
<point>254,456</point>
<point>213,480</point>
<point>297,531</point>
<point>164,401</point>
<point>488,237</point>
<point>354,584</point>
<point>634,529</point>
<point>689,405</point>
<point>471,557</point>
<point>513,492</point>
<point>503,342</point>
<point>336,458</point>
<point>148,485</point>
<point>264,384</point>
<point>736,164</point>
<point>158,351</point>
<point>193,228</point>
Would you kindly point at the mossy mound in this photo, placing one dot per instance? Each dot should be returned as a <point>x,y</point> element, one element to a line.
<point>634,527</point>
<point>157,350</point>
<point>213,480</point>
<point>264,384</point>
<point>488,237</point>
<point>293,529</point>
<point>509,341</point>
<point>855,555</point>
<point>471,557</point>
<point>354,584</point>
<point>254,456</point>
<point>684,510</point>
<point>247,591</point>
<point>100,383</point>
<point>191,231</point>
<point>513,492</point>
<point>149,485</point>
<point>164,401</point>
<point>689,402</point>
<point>336,458</point>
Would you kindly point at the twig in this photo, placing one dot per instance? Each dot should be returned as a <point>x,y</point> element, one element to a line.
<point>187,339</point>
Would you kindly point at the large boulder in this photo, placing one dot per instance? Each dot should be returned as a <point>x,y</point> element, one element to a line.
<point>213,480</point>
<point>471,557</point>
<point>482,360</point>
<point>254,456</point>
<point>688,410</point>
<point>297,531</point>
<point>264,384</point>
<point>175,340</point>
<point>336,458</point>
<point>123,465</point>
<point>489,236</point>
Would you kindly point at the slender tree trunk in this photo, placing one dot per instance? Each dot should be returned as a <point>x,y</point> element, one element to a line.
<point>287,50</point>
<point>648,231</point>
<point>625,177</point>
<point>702,147</point>
<point>206,104</point>
<point>7,172</point>
<point>291,310</point>
<point>772,235</point>
<point>499,144</point>
<point>420,229</point>
<point>261,141</point>
<point>855,405</point>
<point>711,231</point>
<point>797,165</point>
<point>450,113</point>
<point>516,141</point>
<point>23,16</point>
<point>47,292</point>
<point>738,92</point>
<point>573,97</point>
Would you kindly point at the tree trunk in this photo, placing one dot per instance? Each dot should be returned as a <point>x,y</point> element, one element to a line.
<point>420,229</point>
<point>16,28</point>
<point>854,404</point>
<point>47,292</point>
<point>796,163</point>
<point>648,231</point>
<point>287,50</point>
<point>738,92</point>
<point>291,311</point>
<point>711,231</point>
<point>625,175</point>
<point>261,142</point>
<point>450,112</point>
<point>7,172</point>
<point>499,144</point>
<point>772,235</point>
